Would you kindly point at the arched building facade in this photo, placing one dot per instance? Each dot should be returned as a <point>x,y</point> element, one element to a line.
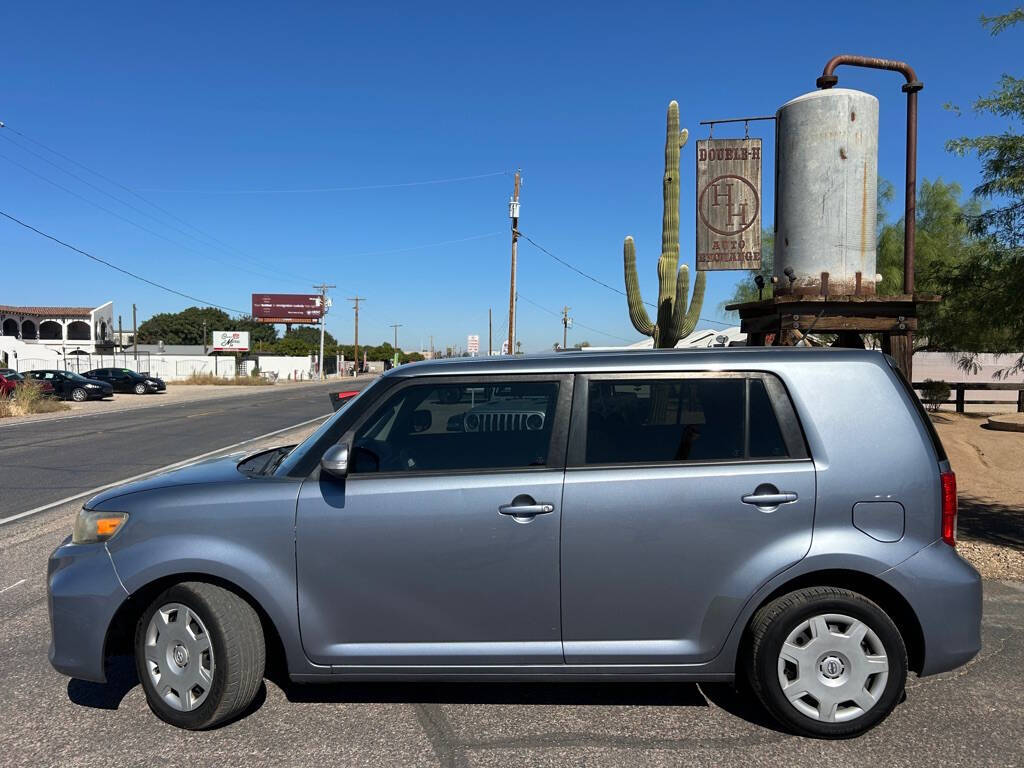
<point>68,328</point>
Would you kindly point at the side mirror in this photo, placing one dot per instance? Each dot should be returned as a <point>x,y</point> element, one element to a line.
<point>335,460</point>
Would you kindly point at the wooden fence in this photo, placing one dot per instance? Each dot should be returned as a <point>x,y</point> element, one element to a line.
<point>959,388</point>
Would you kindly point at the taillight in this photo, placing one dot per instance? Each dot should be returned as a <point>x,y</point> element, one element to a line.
<point>948,480</point>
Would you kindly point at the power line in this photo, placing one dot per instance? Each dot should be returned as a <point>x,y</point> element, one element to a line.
<point>127,189</point>
<point>125,219</point>
<point>117,268</point>
<point>602,283</point>
<point>421,247</point>
<point>577,270</point>
<point>575,321</point>
<point>303,190</point>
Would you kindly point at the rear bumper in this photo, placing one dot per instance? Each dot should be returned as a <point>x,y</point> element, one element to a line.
<point>945,592</point>
<point>83,594</point>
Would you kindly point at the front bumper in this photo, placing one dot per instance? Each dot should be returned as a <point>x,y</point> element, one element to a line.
<point>83,593</point>
<point>944,591</point>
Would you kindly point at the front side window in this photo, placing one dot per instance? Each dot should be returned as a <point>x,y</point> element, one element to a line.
<point>451,427</point>
<point>662,420</point>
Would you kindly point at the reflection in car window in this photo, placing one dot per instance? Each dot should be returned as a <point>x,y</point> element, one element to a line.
<point>483,425</point>
<point>685,419</point>
<point>766,439</point>
<point>660,420</point>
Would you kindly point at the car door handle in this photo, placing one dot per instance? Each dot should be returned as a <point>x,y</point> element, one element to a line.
<point>526,510</point>
<point>769,499</point>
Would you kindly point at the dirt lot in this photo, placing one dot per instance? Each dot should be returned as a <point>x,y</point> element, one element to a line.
<point>989,467</point>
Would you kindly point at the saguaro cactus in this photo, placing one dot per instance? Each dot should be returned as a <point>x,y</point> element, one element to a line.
<point>674,320</point>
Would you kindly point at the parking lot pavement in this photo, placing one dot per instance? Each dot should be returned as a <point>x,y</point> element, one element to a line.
<point>970,717</point>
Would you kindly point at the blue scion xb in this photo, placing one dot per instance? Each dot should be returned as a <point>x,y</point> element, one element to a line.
<point>782,517</point>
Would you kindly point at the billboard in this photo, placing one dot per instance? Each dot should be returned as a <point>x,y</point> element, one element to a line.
<point>230,341</point>
<point>728,204</point>
<point>473,344</point>
<point>286,307</point>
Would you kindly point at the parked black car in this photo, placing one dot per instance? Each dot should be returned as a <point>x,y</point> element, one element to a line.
<point>68,385</point>
<point>126,380</point>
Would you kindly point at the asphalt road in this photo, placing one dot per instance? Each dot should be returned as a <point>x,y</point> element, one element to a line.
<point>45,461</point>
<point>970,717</point>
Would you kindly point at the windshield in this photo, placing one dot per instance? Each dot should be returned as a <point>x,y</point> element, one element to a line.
<point>14,377</point>
<point>285,466</point>
<point>74,376</point>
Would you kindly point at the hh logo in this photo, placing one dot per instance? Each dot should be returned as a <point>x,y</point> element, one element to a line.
<point>728,204</point>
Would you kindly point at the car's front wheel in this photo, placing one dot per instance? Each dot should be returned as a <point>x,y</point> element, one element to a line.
<point>200,655</point>
<point>79,395</point>
<point>140,388</point>
<point>826,662</point>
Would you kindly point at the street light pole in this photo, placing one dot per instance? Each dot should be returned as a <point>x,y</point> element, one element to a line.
<point>323,315</point>
<point>396,326</point>
<point>513,213</point>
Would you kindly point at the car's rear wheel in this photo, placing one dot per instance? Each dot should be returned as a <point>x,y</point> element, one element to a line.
<point>140,388</point>
<point>200,655</point>
<point>79,395</point>
<point>826,662</point>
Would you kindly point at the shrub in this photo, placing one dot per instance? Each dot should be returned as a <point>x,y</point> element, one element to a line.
<point>238,381</point>
<point>934,394</point>
<point>28,398</point>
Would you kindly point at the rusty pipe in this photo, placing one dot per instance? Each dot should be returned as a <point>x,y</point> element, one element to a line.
<point>828,79</point>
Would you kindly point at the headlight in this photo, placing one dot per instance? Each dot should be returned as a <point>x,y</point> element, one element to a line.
<point>92,526</point>
<point>150,381</point>
<point>92,386</point>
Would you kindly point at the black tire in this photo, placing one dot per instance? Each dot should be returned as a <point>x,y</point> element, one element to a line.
<point>140,388</point>
<point>79,394</point>
<point>239,652</point>
<point>769,629</point>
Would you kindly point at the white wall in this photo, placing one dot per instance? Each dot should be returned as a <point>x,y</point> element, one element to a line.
<point>287,367</point>
<point>941,366</point>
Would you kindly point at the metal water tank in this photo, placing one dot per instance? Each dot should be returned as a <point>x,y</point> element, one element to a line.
<point>826,193</point>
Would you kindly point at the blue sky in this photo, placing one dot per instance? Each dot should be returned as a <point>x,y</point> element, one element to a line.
<point>200,107</point>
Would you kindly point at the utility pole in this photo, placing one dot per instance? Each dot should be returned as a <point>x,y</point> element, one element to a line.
<point>120,334</point>
<point>355,362</point>
<point>204,336</point>
<point>513,213</point>
<point>396,326</point>
<point>490,341</point>
<point>323,318</point>
<point>565,325</point>
<point>135,337</point>
<point>431,346</point>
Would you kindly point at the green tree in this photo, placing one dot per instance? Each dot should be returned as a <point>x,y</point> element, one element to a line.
<point>309,336</point>
<point>185,327</point>
<point>985,290</point>
<point>745,288</point>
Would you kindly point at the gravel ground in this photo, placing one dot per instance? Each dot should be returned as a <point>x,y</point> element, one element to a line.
<point>989,466</point>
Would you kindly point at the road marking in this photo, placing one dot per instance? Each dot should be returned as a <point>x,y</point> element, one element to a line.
<point>175,465</point>
<point>203,413</point>
<point>15,584</point>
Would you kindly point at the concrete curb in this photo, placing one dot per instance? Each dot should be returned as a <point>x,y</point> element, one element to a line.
<point>1007,422</point>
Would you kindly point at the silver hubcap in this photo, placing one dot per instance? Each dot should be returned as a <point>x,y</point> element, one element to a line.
<point>833,668</point>
<point>78,395</point>
<point>179,656</point>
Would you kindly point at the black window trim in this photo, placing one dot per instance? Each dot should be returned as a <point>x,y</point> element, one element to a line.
<point>778,396</point>
<point>557,447</point>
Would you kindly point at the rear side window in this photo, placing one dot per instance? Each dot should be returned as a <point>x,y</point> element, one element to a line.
<point>766,440</point>
<point>635,420</point>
